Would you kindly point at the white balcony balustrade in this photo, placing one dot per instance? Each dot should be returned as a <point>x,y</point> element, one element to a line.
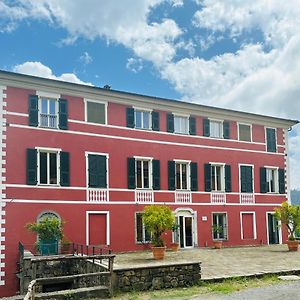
<point>183,197</point>
<point>144,196</point>
<point>218,198</point>
<point>97,195</point>
<point>246,198</point>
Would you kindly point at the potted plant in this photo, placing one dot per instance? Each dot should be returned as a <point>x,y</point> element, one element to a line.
<point>217,230</point>
<point>50,232</point>
<point>175,244</point>
<point>157,219</point>
<point>289,215</point>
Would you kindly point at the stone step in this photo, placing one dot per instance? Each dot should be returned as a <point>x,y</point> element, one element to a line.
<point>81,293</point>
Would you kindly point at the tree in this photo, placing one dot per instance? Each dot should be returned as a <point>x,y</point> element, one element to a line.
<point>157,219</point>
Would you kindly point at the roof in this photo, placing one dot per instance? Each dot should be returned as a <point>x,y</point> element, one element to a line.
<point>28,81</point>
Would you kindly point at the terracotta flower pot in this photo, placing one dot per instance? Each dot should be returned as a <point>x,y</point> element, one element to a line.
<point>174,247</point>
<point>158,252</point>
<point>218,244</point>
<point>293,245</point>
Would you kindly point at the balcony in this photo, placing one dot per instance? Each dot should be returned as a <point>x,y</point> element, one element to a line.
<point>144,196</point>
<point>47,120</point>
<point>183,197</point>
<point>218,198</point>
<point>97,195</point>
<point>246,198</point>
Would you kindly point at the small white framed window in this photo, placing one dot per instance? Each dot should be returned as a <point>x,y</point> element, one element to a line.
<point>142,235</point>
<point>220,231</point>
<point>244,132</point>
<point>143,171</point>
<point>48,167</point>
<point>48,112</point>
<point>181,124</point>
<point>142,119</point>
<point>182,174</point>
<point>272,180</point>
<point>217,178</point>
<point>216,128</point>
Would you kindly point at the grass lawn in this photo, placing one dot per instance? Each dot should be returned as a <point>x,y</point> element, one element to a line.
<point>224,287</point>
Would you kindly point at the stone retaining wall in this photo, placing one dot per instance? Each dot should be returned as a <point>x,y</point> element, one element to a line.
<point>157,277</point>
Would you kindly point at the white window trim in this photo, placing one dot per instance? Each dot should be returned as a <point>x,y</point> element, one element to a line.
<point>95,101</point>
<point>48,150</point>
<point>266,142</point>
<point>91,212</point>
<point>238,132</point>
<point>144,230</point>
<point>222,133</point>
<point>279,227</point>
<point>212,223</point>
<point>222,165</point>
<point>254,223</point>
<point>188,170</point>
<point>140,109</point>
<point>87,168</point>
<point>253,179</point>
<point>182,116</point>
<point>149,160</point>
<point>276,178</point>
<point>43,94</point>
<point>40,98</point>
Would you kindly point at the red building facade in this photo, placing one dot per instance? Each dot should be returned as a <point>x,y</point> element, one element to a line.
<point>95,157</point>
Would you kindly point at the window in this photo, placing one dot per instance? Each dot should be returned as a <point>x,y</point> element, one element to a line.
<point>142,235</point>
<point>219,226</point>
<point>48,167</point>
<point>182,173</point>
<point>95,112</point>
<point>271,139</point>
<point>48,112</point>
<point>215,128</point>
<point>244,132</point>
<point>181,124</point>
<point>142,119</point>
<point>217,178</point>
<point>97,171</point>
<point>272,180</point>
<point>246,179</point>
<point>143,172</point>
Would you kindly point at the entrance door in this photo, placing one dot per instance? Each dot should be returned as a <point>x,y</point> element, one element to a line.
<point>273,229</point>
<point>97,229</point>
<point>185,231</point>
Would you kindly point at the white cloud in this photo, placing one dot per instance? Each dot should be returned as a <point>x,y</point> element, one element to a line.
<point>36,68</point>
<point>134,64</point>
<point>85,58</point>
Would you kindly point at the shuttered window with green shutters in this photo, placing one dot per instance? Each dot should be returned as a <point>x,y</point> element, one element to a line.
<point>194,176</point>
<point>192,125</point>
<point>64,169</point>
<point>155,121</point>
<point>226,130</point>
<point>31,167</point>
<point>171,175</point>
<point>206,127</point>
<point>271,139</point>
<point>207,177</point>
<point>130,117</point>
<point>63,114</point>
<point>170,123</point>
<point>131,172</point>
<point>246,177</point>
<point>33,110</point>
<point>97,171</point>
<point>156,174</point>
<point>281,181</point>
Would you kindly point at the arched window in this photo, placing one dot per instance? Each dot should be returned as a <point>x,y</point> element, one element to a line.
<point>48,214</point>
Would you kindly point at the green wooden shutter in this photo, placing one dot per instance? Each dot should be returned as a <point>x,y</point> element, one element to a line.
<point>156,174</point>
<point>64,169</point>
<point>281,181</point>
<point>246,179</point>
<point>170,123</point>
<point>97,171</point>
<point>207,177</point>
<point>31,167</point>
<point>226,130</point>
<point>130,117</point>
<point>271,139</point>
<point>33,110</point>
<point>155,120</point>
<point>63,114</point>
<point>192,126</point>
<point>227,178</point>
<point>131,172</point>
<point>263,180</point>
<point>171,175</point>
<point>206,128</point>
<point>194,176</point>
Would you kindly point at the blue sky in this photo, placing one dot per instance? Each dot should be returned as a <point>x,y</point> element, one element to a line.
<point>235,54</point>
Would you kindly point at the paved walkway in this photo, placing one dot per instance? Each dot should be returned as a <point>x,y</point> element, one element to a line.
<point>227,262</point>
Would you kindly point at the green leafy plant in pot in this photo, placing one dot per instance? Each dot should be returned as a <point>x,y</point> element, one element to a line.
<point>175,244</point>
<point>158,219</point>
<point>50,232</point>
<point>289,215</point>
<point>217,229</point>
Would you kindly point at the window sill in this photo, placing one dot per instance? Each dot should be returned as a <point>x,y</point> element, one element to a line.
<point>144,129</point>
<point>46,184</point>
